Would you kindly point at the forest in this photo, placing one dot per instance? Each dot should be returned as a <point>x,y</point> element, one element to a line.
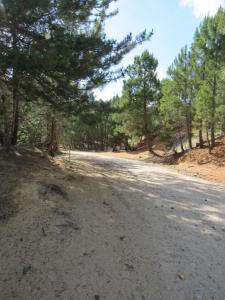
<point>55,54</point>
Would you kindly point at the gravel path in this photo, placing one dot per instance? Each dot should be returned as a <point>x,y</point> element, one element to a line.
<point>120,230</point>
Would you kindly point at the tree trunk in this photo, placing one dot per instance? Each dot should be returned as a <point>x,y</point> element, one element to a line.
<point>154,153</point>
<point>5,129</point>
<point>15,119</point>
<point>189,128</point>
<point>208,140</point>
<point>127,146</point>
<point>147,134</point>
<point>146,129</point>
<point>53,144</point>
<point>188,112</point>
<point>213,143</point>
<point>15,82</point>
<point>201,142</point>
<point>114,147</point>
<point>182,145</point>
<point>190,139</point>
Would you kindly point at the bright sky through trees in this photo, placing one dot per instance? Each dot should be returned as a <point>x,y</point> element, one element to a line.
<point>174,23</point>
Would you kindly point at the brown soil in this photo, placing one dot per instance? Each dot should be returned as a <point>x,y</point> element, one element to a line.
<point>203,157</point>
<point>200,162</point>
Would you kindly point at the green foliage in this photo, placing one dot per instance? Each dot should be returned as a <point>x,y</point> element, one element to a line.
<point>34,124</point>
<point>91,129</point>
<point>142,90</point>
<point>171,107</point>
<point>197,77</point>
<point>142,86</point>
<point>172,114</point>
<point>57,52</point>
<point>203,104</point>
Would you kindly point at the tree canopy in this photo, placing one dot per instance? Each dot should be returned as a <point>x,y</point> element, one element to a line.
<point>57,52</point>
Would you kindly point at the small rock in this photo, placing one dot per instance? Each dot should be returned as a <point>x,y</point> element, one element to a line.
<point>43,231</point>
<point>51,188</point>
<point>97,297</point>
<point>130,267</point>
<point>181,277</point>
<point>27,269</point>
<point>69,224</point>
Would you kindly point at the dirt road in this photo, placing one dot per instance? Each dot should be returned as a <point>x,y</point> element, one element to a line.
<point>115,230</point>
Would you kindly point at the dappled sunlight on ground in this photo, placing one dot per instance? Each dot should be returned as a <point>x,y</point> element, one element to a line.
<point>193,202</point>
<point>213,167</point>
<point>126,227</point>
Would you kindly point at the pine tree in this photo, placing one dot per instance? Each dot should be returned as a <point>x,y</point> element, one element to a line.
<point>208,48</point>
<point>181,74</point>
<point>172,114</point>
<point>57,51</point>
<point>142,89</point>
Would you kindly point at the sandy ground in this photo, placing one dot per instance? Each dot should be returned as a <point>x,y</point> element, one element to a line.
<point>208,171</point>
<point>134,155</point>
<point>107,228</point>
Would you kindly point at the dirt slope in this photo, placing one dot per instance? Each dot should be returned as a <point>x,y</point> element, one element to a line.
<point>199,162</point>
<point>106,228</point>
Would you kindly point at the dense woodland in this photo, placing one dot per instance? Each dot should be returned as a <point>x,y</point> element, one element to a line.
<point>54,54</point>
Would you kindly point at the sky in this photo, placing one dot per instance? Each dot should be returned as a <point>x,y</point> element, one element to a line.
<point>173,22</point>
